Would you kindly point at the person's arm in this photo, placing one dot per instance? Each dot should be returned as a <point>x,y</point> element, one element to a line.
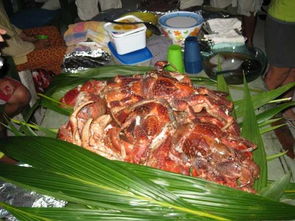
<point>15,45</point>
<point>2,32</point>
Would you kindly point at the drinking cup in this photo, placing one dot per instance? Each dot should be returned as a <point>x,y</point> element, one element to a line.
<point>175,59</point>
<point>192,55</point>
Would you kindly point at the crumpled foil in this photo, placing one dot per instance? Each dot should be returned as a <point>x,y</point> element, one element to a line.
<point>85,56</point>
<point>19,197</point>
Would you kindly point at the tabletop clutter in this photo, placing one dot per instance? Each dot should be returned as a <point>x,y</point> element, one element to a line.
<point>124,40</point>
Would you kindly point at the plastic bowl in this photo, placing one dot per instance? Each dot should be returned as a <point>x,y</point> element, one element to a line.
<point>233,61</point>
<point>179,25</point>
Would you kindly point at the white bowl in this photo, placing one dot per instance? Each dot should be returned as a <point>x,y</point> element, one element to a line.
<point>181,24</point>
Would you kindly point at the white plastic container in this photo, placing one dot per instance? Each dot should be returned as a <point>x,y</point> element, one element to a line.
<point>127,38</point>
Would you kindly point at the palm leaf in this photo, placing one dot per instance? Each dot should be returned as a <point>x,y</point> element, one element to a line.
<point>28,113</point>
<point>276,189</point>
<point>268,122</point>
<point>261,99</point>
<point>289,192</point>
<point>222,86</point>
<point>55,105</point>
<point>269,113</point>
<point>275,156</point>
<point>73,214</point>
<point>72,173</point>
<point>198,80</point>
<point>30,129</point>
<point>269,129</point>
<point>110,178</point>
<point>250,131</point>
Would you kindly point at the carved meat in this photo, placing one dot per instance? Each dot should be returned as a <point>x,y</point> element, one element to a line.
<point>161,120</point>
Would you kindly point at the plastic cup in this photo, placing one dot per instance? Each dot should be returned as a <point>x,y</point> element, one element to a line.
<point>192,56</point>
<point>175,59</point>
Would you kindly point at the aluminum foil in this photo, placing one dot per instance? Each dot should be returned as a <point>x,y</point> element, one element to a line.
<point>85,55</point>
<point>19,197</point>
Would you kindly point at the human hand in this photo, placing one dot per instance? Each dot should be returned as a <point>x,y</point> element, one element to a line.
<point>2,32</point>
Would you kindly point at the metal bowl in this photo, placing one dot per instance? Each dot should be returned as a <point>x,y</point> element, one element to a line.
<point>234,61</point>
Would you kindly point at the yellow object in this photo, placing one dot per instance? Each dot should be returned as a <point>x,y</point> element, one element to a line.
<point>146,17</point>
<point>1,155</point>
<point>282,10</point>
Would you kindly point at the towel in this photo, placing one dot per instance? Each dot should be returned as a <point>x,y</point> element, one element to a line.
<point>225,30</point>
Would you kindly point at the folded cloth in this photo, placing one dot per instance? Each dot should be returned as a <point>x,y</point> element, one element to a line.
<point>222,25</point>
<point>225,30</point>
<point>84,31</point>
<point>228,37</point>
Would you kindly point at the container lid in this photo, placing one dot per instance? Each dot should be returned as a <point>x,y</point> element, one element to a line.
<point>118,30</point>
<point>131,58</point>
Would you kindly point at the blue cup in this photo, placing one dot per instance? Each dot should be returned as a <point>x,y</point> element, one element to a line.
<point>192,55</point>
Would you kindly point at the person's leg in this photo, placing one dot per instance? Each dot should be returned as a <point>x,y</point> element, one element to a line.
<point>248,28</point>
<point>280,49</point>
<point>54,36</point>
<point>248,9</point>
<point>49,59</point>
<point>276,76</point>
<point>289,113</point>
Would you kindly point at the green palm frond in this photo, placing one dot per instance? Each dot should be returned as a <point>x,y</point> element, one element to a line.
<point>72,173</point>
<point>269,113</point>
<point>250,131</point>
<point>276,189</point>
<point>263,98</point>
